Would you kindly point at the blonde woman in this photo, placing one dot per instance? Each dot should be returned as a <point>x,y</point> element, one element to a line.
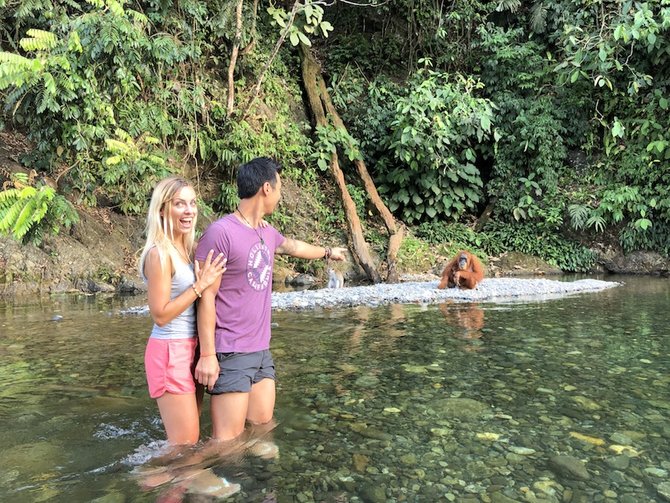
<point>174,284</point>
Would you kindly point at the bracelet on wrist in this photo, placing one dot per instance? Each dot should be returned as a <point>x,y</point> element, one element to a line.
<point>205,356</point>
<point>196,290</point>
<point>327,253</point>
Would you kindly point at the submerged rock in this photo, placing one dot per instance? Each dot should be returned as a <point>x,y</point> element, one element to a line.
<point>569,466</point>
<point>465,409</point>
<point>663,490</point>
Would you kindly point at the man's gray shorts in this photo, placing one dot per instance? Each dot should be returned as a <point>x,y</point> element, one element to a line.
<point>238,371</point>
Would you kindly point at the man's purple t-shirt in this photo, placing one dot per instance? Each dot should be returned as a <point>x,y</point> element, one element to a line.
<point>244,299</point>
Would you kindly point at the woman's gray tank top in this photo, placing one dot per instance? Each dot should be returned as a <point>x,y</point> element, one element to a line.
<point>183,326</point>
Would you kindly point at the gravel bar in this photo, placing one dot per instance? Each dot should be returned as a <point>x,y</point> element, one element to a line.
<point>490,289</point>
<point>426,292</point>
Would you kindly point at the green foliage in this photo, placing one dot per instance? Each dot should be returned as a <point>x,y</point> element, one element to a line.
<point>431,171</point>
<point>394,36</point>
<point>532,114</point>
<point>624,207</point>
<point>422,143</point>
<point>360,199</point>
<point>27,211</point>
<point>278,138</point>
<point>635,237</point>
<point>368,108</point>
<point>227,144</point>
<point>130,170</point>
<point>329,138</point>
<point>500,237</point>
<point>615,53</point>
<point>616,56</point>
<point>84,71</point>
<point>227,200</point>
<point>415,254</point>
<point>308,21</point>
<point>458,235</point>
<point>65,95</point>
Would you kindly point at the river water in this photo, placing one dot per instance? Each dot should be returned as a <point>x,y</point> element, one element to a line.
<point>557,400</point>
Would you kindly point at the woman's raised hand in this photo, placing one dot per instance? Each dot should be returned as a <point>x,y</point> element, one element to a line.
<point>211,270</point>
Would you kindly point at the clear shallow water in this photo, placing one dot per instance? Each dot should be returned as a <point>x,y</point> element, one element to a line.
<point>451,402</point>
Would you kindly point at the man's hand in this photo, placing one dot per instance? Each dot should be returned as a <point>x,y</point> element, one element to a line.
<point>207,371</point>
<point>338,254</point>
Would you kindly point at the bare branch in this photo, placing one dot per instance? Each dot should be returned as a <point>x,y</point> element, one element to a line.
<point>275,51</point>
<point>233,58</point>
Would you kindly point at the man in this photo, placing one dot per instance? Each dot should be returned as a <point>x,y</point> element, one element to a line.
<point>234,314</point>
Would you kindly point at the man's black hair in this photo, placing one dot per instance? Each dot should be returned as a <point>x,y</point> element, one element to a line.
<point>252,175</point>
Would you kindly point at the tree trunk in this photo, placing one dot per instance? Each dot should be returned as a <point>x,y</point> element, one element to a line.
<point>361,252</point>
<point>395,231</point>
<point>485,216</point>
<point>233,58</point>
<point>320,103</point>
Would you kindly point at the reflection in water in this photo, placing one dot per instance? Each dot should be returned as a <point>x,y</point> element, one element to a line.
<point>467,318</point>
<point>567,401</point>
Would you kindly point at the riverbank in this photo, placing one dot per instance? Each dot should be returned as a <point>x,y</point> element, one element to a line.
<point>99,255</point>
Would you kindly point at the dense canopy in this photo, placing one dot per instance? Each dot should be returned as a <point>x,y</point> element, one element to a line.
<point>530,122</point>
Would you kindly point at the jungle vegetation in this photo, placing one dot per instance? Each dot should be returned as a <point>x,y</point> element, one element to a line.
<point>501,125</point>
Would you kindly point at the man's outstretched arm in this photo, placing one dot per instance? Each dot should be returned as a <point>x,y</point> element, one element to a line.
<point>300,249</point>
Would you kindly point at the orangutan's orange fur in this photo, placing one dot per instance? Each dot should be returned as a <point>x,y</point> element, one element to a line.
<point>466,277</point>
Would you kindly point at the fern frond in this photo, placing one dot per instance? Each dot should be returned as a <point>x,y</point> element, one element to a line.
<point>7,197</point>
<point>508,5</point>
<point>578,215</point>
<point>27,192</point>
<point>117,146</point>
<point>15,70</point>
<point>14,60</point>
<point>14,97</point>
<point>38,40</point>
<point>8,216</point>
<point>538,17</point>
<point>71,3</point>
<point>44,197</point>
<point>21,177</point>
<point>25,219</point>
<point>27,8</point>
<point>40,211</point>
<point>597,222</point>
<point>137,17</point>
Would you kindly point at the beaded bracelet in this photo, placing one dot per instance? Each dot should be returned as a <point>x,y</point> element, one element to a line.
<point>196,290</point>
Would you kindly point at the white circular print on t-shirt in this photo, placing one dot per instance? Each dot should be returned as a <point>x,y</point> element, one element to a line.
<point>259,266</point>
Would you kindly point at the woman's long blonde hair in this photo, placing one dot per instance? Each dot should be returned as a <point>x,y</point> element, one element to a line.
<point>159,230</point>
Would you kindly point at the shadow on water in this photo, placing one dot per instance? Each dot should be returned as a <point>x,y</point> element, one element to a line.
<point>558,400</point>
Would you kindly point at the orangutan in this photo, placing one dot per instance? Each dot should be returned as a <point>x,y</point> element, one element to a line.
<point>464,271</point>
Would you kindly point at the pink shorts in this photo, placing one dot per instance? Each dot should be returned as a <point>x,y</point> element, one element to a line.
<point>169,366</point>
